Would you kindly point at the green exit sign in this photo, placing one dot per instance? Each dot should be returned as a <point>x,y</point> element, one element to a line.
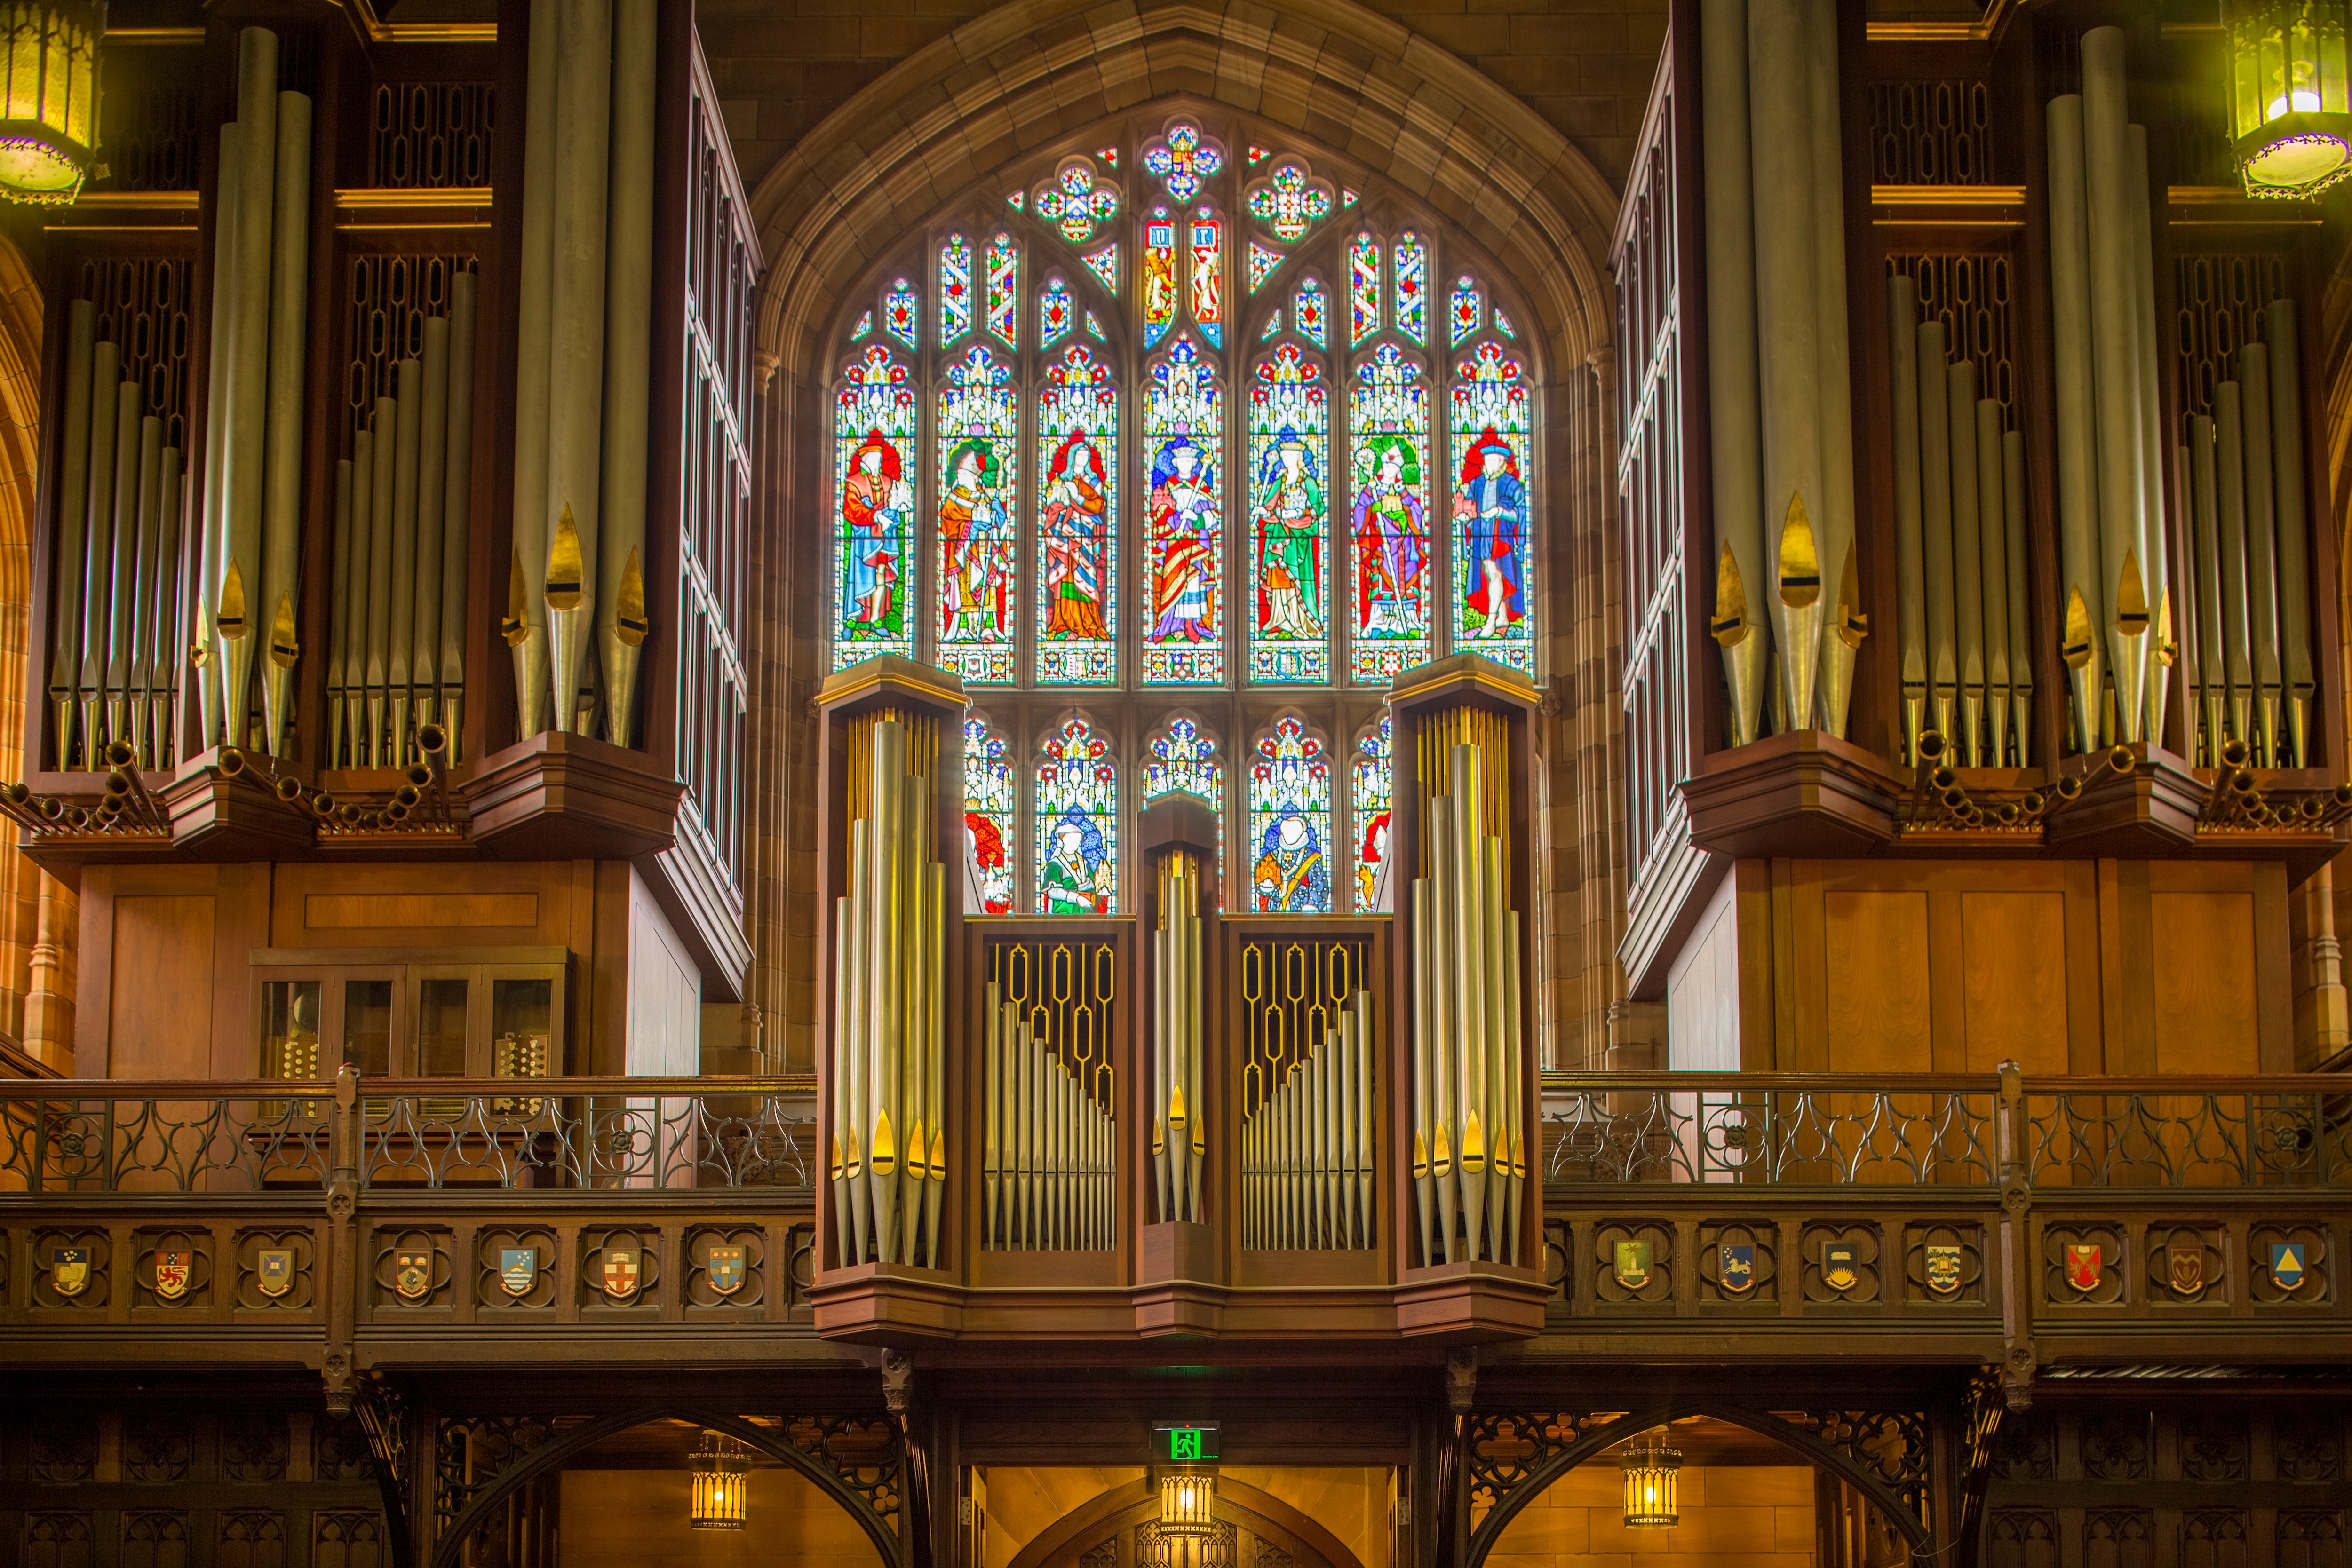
<point>1186,1443</point>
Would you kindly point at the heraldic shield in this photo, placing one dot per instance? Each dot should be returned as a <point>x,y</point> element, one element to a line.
<point>1736,1268</point>
<point>172,1269</point>
<point>2083,1265</point>
<point>2287,1264</point>
<point>412,1274</point>
<point>725,1267</point>
<point>1839,1268</point>
<point>274,1271</point>
<point>1943,1268</point>
<point>70,1270</point>
<point>518,1269</point>
<point>620,1273</point>
<point>2184,1270</point>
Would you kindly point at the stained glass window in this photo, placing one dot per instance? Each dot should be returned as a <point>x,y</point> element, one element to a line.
<point>1259,155</point>
<point>1104,263</point>
<point>1183,434</point>
<point>1262,260</point>
<point>1182,161</point>
<point>1209,274</point>
<point>1078,499</point>
<point>979,477</point>
<point>1412,314</point>
<point>864,329</point>
<point>988,821</point>
<point>1313,311</point>
<point>898,312</point>
<point>955,288</point>
<point>1077,814</point>
<point>1503,324</point>
<point>1491,522</point>
<point>1289,202</point>
<point>1290,822</point>
<point>1273,327</point>
<point>1349,198</point>
<point>1094,327</point>
<point>1053,312</point>
<point>1003,289</point>
<point>1075,202</point>
<point>873,511</point>
<point>1389,515</point>
<point>1465,312</point>
<point>1290,540</point>
<point>1363,288</point>
<point>1183,758</point>
<point>1158,275</point>
<point>1371,796</point>
<point>1016,200</point>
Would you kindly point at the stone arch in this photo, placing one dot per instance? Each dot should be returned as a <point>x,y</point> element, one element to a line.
<point>449,1549</point>
<point>21,307</point>
<point>1124,1507</point>
<point>1600,1439</point>
<point>1023,75</point>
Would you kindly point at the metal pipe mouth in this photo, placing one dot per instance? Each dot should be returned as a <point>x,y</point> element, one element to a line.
<point>118,754</point>
<point>432,739</point>
<point>406,797</point>
<point>232,761</point>
<point>2122,761</point>
<point>2235,754</point>
<point>290,790</point>
<point>418,775</point>
<point>1931,745</point>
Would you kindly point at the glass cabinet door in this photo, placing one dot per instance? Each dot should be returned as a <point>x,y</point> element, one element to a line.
<point>442,1005</point>
<point>367,1027</point>
<point>523,1016</point>
<point>289,1029</point>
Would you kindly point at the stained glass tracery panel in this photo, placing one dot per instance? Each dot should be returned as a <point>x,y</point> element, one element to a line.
<point>873,511</point>
<point>1076,812</point>
<point>1183,434</point>
<point>1290,822</point>
<point>955,288</point>
<point>1389,517</point>
<point>1312,310</point>
<point>1290,541</point>
<point>988,820</point>
<point>1363,288</point>
<point>898,312</point>
<point>1077,497</point>
<point>1004,290</point>
<point>1289,202</point>
<point>1104,263</point>
<point>1411,272</point>
<point>1208,274</point>
<point>1158,275</point>
<point>1371,797</point>
<point>1262,260</point>
<point>1491,520</point>
<point>979,499</point>
<point>1054,312</point>
<point>1075,202</point>
<point>1182,757</point>
<point>1182,160</point>
<point>1466,313</point>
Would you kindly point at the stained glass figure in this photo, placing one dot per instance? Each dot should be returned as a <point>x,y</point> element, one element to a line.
<point>1209,274</point>
<point>1158,275</point>
<point>1077,497</point>
<point>1077,812</point>
<point>1183,758</point>
<point>1412,275</point>
<point>1104,263</point>
<point>1290,822</point>
<point>1075,202</point>
<point>1289,202</point>
<point>1184,432</point>
<point>1054,312</point>
<point>988,835</point>
<point>1389,431</point>
<point>864,329</point>
<point>1313,312</point>
<point>1363,288</point>
<point>1468,309</point>
<point>1491,525</point>
<point>1004,290</point>
<point>1290,452</point>
<point>955,288</point>
<point>1094,327</point>
<point>874,515</point>
<point>1181,160</point>
<point>1262,260</point>
<point>1372,800</point>
<point>898,312</point>
<point>1503,324</point>
<point>1273,327</point>
<point>979,498</point>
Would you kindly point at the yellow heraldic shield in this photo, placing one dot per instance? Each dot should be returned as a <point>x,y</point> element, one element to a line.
<point>1633,1264</point>
<point>70,1270</point>
<point>174,1266</point>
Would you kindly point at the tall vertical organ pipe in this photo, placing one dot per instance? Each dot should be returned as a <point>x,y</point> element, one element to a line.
<point>621,623</point>
<point>282,582</point>
<point>1179,1132</point>
<point>534,334</point>
<point>73,497</point>
<point>1967,585</point>
<point>1992,562</point>
<point>457,508</point>
<point>2294,540</point>
<point>1739,625</point>
<point>1910,539</point>
<point>241,613</point>
<point>2083,589</point>
<point>2262,547</point>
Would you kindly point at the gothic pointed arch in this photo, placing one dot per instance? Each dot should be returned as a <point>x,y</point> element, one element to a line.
<point>1077,1536</point>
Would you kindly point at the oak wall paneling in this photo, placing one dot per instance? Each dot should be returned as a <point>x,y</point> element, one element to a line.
<point>2012,982</point>
<point>179,953</point>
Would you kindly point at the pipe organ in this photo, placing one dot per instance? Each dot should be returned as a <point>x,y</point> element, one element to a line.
<point>1049,1160</point>
<point>1307,1148</point>
<point>1179,1127</point>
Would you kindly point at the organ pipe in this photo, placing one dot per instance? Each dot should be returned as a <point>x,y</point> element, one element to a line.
<point>2237,663</point>
<point>2205,526</point>
<point>2155,548</point>
<point>2020,635</point>
<point>1910,537</point>
<point>240,602</point>
<point>73,492</point>
<point>2085,596</point>
<point>1179,1131</point>
<point>288,344</point>
<point>213,541</point>
<point>1049,1153</point>
<point>104,711</point>
<point>457,508</point>
<point>1469,1157</point>
<point>1307,1149</point>
<point>400,618</point>
<point>889,1155</point>
<point>432,498</point>
<point>2293,564</point>
<point>1738,626</point>
<point>527,640</point>
<point>1992,558</point>
<point>576,346</point>
<point>339,600</point>
<point>621,623</point>
<point>2262,544</point>
<point>363,563</point>
<point>1844,626</point>
<point>1968,549</point>
<point>379,600</point>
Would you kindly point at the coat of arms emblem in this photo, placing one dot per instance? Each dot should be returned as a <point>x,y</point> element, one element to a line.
<point>1943,1267</point>
<point>725,1267</point>
<point>2184,1270</point>
<point>70,1270</point>
<point>172,1267</point>
<point>412,1274</point>
<point>518,1269</point>
<point>2083,1265</point>
<point>1737,1268</point>
<point>620,1272</point>
<point>274,1271</point>
<point>1633,1264</point>
<point>2287,1264</point>
<point>1838,1266</point>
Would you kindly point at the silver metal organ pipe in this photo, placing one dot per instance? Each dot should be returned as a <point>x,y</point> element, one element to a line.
<point>400,623</point>
<point>244,480</point>
<point>2294,563</point>
<point>73,498</point>
<point>577,348</point>
<point>213,524</point>
<point>2237,660</point>
<point>1910,539</point>
<point>2155,543</point>
<point>458,508</point>
<point>1740,626</point>
<point>105,661</point>
<point>432,496</point>
<point>1935,456</point>
<point>2020,634</point>
<point>2084,590</point>
<point>164,644</point>
<point>621,625</point>
<point>279,610</point>
<point>1992,561</point>
<point>2262,547</point>
<point>339,602</point>
<point>534,336</point>
<point>2205,528</point>
<point>378,752</point>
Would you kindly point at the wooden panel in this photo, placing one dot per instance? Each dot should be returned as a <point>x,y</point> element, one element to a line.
<point>158,1017</point>
<point>2012,980</point>
<point>1703,992</point>
<point>382,912</point>
<point>1876,1002</point>
<point>2202,987</point>
<point>664,1004</point>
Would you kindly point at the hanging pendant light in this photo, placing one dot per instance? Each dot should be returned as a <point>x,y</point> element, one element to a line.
<point>1650,1470</point>
<point>2290,93</point>
<point>721,1471</point>
<point>49,97</point>
<point>1184,1499</point>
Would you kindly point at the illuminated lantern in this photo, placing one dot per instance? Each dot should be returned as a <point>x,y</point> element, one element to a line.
<point>2290,93</point>
<point>48,120</point>
<point>1184,1497</point>
<point>721,1474</point>
<point>1650,1468</point>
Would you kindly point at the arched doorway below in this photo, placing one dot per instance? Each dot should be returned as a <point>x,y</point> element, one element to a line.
<point>1265,1517</point>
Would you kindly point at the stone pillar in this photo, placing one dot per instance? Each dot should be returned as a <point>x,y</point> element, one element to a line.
<point>53,974</point>
<point>2323,1022</point>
